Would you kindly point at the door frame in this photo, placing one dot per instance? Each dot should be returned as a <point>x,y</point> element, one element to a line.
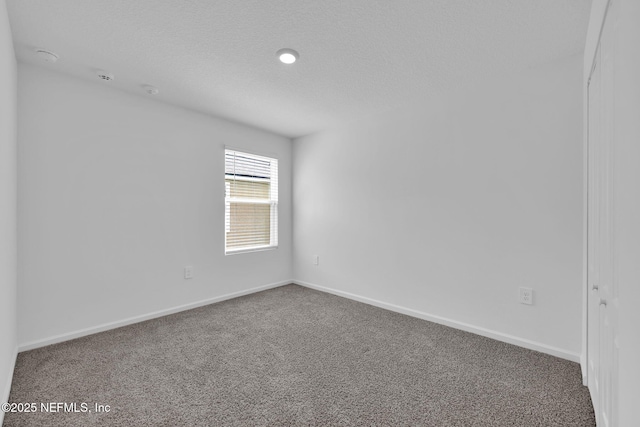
<point>585,201</point>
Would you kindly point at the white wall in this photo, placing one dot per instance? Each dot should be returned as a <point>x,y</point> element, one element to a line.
<point>117,193</point>
<point>8,202</point>
<point>447,209</point>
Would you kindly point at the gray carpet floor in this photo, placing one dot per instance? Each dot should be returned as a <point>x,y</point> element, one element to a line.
<point>292,356</point>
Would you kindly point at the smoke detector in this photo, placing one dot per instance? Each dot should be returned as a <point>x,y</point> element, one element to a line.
<point>151,90</point>
<point>46,55</point>
<point>104,75</point>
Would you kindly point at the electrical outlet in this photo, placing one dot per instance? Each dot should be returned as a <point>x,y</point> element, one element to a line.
<point>188,272</point>
<point>526,296</point>
<point>316,260</point>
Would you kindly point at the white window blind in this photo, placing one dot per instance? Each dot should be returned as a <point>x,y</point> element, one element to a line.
<point>251,202</point>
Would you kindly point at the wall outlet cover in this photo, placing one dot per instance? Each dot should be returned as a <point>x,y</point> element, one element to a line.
<point>188,272</point>
<point>526,296</point>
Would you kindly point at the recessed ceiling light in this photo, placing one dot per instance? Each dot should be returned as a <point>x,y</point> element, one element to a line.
<point>287,56</point>
<point>46,55</point>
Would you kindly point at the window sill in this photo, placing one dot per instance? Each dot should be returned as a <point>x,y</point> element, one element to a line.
<point>250,249</point>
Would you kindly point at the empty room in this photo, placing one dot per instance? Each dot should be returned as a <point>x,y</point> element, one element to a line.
<point>320,213</point>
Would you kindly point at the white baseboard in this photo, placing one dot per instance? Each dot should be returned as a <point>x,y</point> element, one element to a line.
<point>532,345</point>
<point>583,368</point>
<point>7,388</point>
<point>499,336</point>
<point>136,319</point>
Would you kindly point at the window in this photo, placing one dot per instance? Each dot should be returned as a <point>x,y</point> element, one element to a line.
<point>251,202</point>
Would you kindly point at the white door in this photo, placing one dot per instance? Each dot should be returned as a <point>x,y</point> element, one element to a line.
<point>593,318</point>
<point>603,295</point>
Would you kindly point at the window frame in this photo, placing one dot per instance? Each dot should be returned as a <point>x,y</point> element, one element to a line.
<point>273,227</point>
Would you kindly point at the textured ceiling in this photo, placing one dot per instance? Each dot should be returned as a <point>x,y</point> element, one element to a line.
<point>357,57</point>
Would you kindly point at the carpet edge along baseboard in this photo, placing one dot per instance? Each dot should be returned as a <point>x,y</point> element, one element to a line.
<point>499,336</point>
<point>67,336</point>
